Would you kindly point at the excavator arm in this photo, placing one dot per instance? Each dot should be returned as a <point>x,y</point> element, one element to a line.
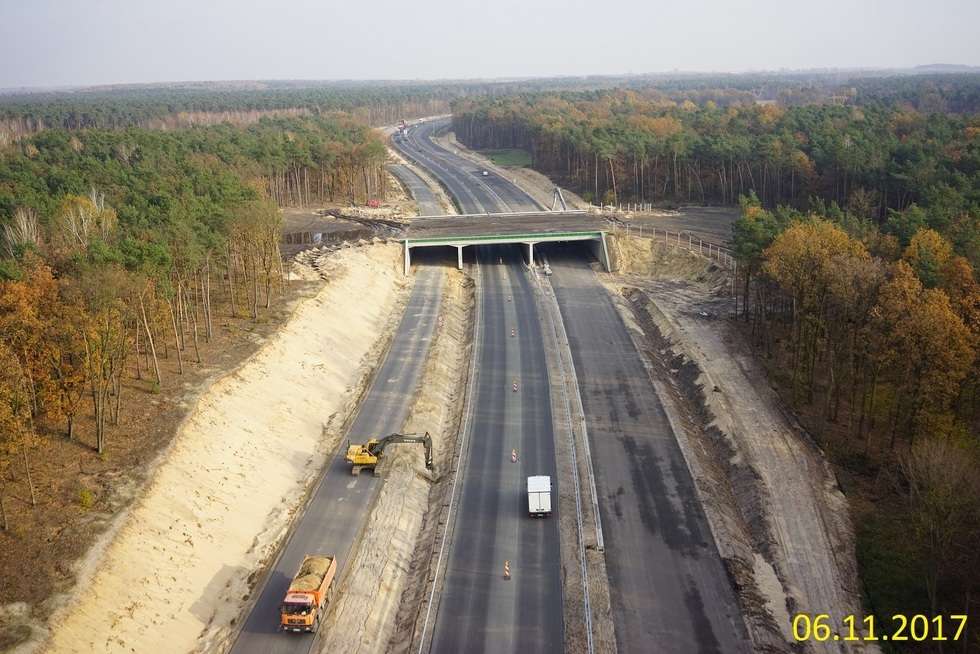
<point>368,454</point>
<point>377,448</point>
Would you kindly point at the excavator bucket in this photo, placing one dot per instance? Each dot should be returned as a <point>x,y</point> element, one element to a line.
<point>369,454</point>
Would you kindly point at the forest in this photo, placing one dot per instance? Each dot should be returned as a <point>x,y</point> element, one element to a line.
<point>376,103</point>
<point>117,236</point>
<point>858,247</point>
<point>622,146</point>
<point>874,341</point>
<point>133,221</point>
<point>121,248</point>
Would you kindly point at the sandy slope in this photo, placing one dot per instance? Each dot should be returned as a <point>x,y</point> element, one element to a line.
<point>810,538</point>
<point>239,465</point>
<point>384,574</point>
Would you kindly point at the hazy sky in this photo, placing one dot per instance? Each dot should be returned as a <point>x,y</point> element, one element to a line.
<point>75,42</point>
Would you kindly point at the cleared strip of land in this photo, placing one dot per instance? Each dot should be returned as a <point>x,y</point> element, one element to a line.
<point>182,562</point>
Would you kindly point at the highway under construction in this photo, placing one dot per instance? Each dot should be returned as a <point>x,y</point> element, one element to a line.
<point>652,528</point>
<point>645,516</point>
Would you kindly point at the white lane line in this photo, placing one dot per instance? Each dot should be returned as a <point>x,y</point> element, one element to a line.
<point>464,432</point>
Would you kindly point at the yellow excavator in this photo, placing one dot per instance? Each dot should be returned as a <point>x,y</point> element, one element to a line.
<point>368,454</point>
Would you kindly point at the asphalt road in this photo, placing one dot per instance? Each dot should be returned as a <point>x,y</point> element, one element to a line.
<point>429,204</point>
<point>340,503</point>
<point>668,588</point>
<point>479,610</point>
<point>470,189</point>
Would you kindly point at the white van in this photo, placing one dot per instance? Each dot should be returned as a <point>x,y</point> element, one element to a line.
<point>539,496</point>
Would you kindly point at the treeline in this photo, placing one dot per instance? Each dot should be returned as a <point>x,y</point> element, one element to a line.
<point>121,247</point>
<point>876,346</point>
<point>161,107</point>
<point>172,106</point>
<point>295,160</point>
<point>921,90</point>
<point>169,106</point>
<point>884,163</point>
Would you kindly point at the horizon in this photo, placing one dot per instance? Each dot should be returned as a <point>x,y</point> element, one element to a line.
<point>916,69</point>
<point>113,42</point>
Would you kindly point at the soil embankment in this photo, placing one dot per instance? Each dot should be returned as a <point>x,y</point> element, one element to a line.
<point>382,592</point>
<point>650,257</point>
<point>183,561</point>
<point>529,180</point>
<point>779,519</point>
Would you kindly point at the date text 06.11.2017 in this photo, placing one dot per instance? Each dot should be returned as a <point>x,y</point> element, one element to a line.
<point>916,628</point>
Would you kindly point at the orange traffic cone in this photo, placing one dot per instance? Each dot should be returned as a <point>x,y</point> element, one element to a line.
<point>506,569</point>
<point>513,456</point>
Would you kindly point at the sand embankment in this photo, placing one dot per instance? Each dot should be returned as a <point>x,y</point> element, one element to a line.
<point>182,562</point>
<point>388,573</point>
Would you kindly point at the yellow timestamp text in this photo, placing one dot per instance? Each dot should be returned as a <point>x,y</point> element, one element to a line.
<point>917,628</point>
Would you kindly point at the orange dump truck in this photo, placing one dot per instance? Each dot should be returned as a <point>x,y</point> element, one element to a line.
<point>307,595</point>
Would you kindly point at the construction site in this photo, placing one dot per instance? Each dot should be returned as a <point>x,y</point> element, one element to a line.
<point>369,463</point>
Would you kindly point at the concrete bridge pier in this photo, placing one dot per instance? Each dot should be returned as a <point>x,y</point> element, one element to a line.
<point>530,255</point>
<point>459,257</point>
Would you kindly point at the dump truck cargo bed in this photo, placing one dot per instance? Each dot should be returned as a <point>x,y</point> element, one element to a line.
<point>306,597</point>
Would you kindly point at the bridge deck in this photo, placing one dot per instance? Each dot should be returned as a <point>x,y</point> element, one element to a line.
<point>526,228</point>
<point>501,224</point>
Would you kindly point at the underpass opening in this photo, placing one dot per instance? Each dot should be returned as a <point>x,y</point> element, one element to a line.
<point>442,256</point>
<point>585,251</point>
<point>527,241</point>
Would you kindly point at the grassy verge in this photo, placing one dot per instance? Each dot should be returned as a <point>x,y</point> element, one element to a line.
<point>508,158</point>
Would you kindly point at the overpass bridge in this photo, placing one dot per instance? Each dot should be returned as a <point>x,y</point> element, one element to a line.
<point>526,228</point>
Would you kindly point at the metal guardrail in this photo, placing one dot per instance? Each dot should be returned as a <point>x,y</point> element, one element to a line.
<point>568,375</point>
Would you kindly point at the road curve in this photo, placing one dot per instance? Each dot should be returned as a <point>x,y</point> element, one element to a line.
<point>470,189</point>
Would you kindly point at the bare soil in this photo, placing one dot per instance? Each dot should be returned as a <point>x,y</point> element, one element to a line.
<point>779,518</point>
<point>81,494</point>
<point>713,224</point>
<point>386,585</point>
<point>177,559</point>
